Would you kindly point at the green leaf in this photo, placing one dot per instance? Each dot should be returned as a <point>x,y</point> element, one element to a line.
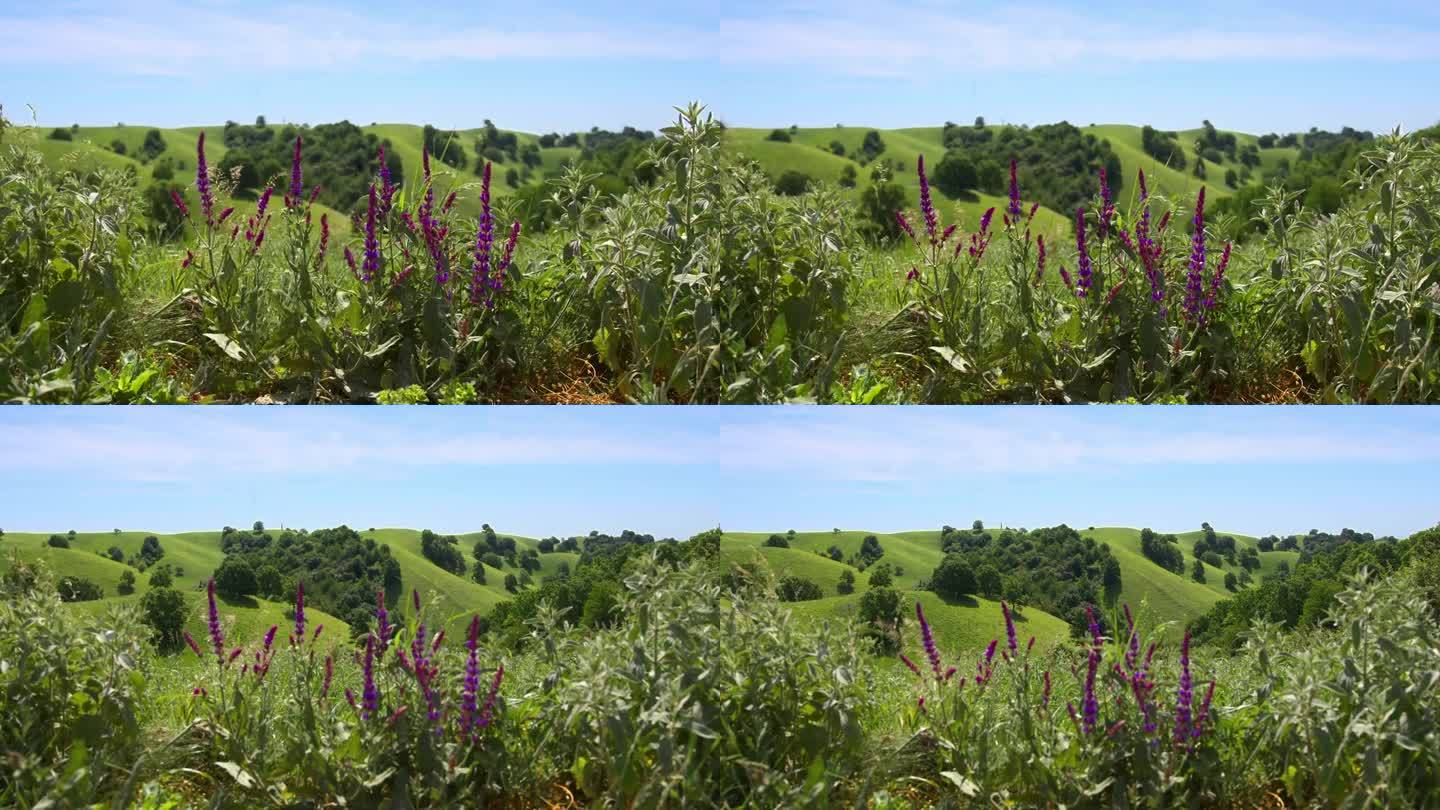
<point>237,773</point>
<point>950,356</point>
<point>966,786</point>
<point>227,345</point>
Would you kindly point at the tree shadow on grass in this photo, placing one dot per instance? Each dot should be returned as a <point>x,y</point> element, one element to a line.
<point>237,601</point>
<point>963,601</point>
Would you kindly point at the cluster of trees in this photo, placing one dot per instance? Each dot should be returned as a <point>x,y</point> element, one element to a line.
<point>1302,597</point>
<point>870,552</point>
<point>1058,163</point>
<point>78,589</point>
<point>776,541</point>
<point>591,594</point>
<point>1054,569</point>
<point>342,571</point>
<point>340,158</point>
<point>1164,147</point>
<point>1163,550</point>
<point>445,146</point>
<point>444,551</point>
<point>1315,174</point>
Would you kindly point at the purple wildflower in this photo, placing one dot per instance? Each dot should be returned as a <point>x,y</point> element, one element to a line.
<point>927,205</point>
<point>371,266</point>
<point>329,673</point>
<point>297,186</point>
<point>470,692</point>
<point>179,203</point>
<point>904,224</point>
<point>1195,281</point>
<point>202,182</point>
<point>382,623</point>
<point>1133,651</point>
<point>350,260</point>
<point>217,634</point>
<point>1014,210</point>
<point>1010,629</point>
<point>370,697</point>
<point>488,710</point>
<point>189,260</point>
<point>1107,205</point>
<point>929,638</point>
<point>1090,708</point>
<point>324,238</point>
<point>1045,692</point>
<point>190,640</point>
<point>1040,260</point>
<point>300,612</point>
<point>1203,713</point>
<point>910,664</point>
<point>484,245</point>
<point>1085,276</point>
<point>263,203</point>
<point>1185,696</point>
<point>1218,281</point>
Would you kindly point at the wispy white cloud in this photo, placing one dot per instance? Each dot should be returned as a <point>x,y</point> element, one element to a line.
<point>906,38</point>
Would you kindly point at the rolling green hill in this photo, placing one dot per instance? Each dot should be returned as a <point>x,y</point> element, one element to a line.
<point>1162,595</point>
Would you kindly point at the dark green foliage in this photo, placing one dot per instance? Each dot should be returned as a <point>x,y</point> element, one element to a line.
<point>793,183</point>
<point>511,583</point>
<point>1231,582</point>
<point>883,613</point>
<point>443,551</point>
<point>878,205</point>
<point>150,552</point>
<point>58,541</point>
<point>78,589</point>
<point>776,541</point>
<point>127,583</point>
<point>1163,550</point>
<point>444,146</point>
<point>988,582</point>
<point>880,576</point>
<point>1058,163</point>
<point>152,147</point>
<point>847,582</point>
<point>58,134</point>
<point>235,578</point>
<point>1304,596</point>
<point>1267,543</point>
<point>340,158</point>
<point>341,570</point>
<point>798,589</point>
<point>1197,571</point>
<point>870,552</point>
<point>837,148</point>
<point>848,176</point>
<point>160,577</point>
<point>164,613</point>
<point>117,146</point>
<point>602,605</point>
<point>835,553</point>
<point>779,136</point>
<point>871,147</point>
<point>953,578</point>
<point>1164,147</point>
<point>116,553</point>
<point>955,175</point>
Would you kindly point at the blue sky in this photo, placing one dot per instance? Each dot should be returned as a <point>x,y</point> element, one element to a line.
<point>565,65</point>
<point>672,472</point>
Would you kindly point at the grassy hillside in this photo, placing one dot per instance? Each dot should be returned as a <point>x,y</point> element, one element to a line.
<point>1164,596</point>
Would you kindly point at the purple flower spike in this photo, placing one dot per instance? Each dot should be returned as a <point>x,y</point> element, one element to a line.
<point>1090,708</point>
<point>904,224</point>
<point>371,267</point>
<point>470,690</point>
<point>1039,259</point>
<point>297,186</point>
<point>1085,275</point>
<point>929,638</point>
<point>910,664</point>
<point>1185,695</point>
<point>202,182</point>
<point>927,204</point>
<point>481,289</point>
<point>382,623</point>
<point>488,711</point>
<point>1195,280</point>
<point>179,203</point>
<point>1107,207</point>
<point>370,697</point>
<point>217,634</point>
<point>329,673</point>
<point>1014,643</point>
<point>300,612</point>
<point>1014,210</point>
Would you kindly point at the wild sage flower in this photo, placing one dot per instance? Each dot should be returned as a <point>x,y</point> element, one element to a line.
<point>1203,713</point>
<point>383,631</point>
<point>202,182</point>
<point>370,269</point>
<point>1085,276</point>
<point>217,634</point>
<point>1107,205</point>
<point>1010,628</point>
<point>470,690</point>
<point>329,674</point>
<point>910,664</point>
<point>900,219</point>
<point>324,239</point>
<point>1090,707</point>
<point>1039,259</point>
<point>1195,281</point>
<point>1045,691</point>
<point>190,640</point>
<point>1217,282</point>
<point>188,260</point>
<point>179,203</point>
<point>484,243</point>
<point>1185,695</point>
<point>927,204</point>
<point>487,712</point>
<point>350,260</point>
<point>297,186</point>
<point>370,695</point>
<point>1014,209</point>
<point>931,650</point>
<point>299,613</point>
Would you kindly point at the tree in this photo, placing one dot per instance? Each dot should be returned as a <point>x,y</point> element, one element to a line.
<point>1232,179</point>
<point>511,583</point>
<point>78,589</point>
<point>478,574</point>
<point>443,551</point>
<point>602,606</point>
<point>953,578</point>
<point>163,609</point>
<point>152,146</point>
<point>798,589</point>
<point>872,146</point>
<point>127,583</point>
<point>58,134</point>
<point>779,136</point>
<point>880,577</point>
<point>847,582</point>
<point>1110,580</point>
<point>1197,572</point>
<point>776,541</point>
<point>792,183</point>
<point>235,578</point>
<point>116,553</point>
<point>268,582</point>
<point>1266,543</point>
<point>848,177</point>
<point>1326,195</point>
<point>835,553</point>
<point>987,581</point>
<point>160,577</point>
<point>837,148</point>
<point>58,541</point>
<point>956,175</point>
<point>1231,582</point>
<point>881,606</point>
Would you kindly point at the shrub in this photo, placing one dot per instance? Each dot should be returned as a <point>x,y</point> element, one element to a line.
<point>880,577</point>
<point>847,582</point>
<point>793,183</point>
<point>443,551</point>
<point>160,577</point>
<point>235,578</point>
<point>776,541</point>
<point>78,589</point>
<point>127,583</point>
<point>164,613</point>
<point>953,578</point>
<point>779,136</point>
<point>58,134</point>
<point>798,589</point>
<point>58,541</point>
